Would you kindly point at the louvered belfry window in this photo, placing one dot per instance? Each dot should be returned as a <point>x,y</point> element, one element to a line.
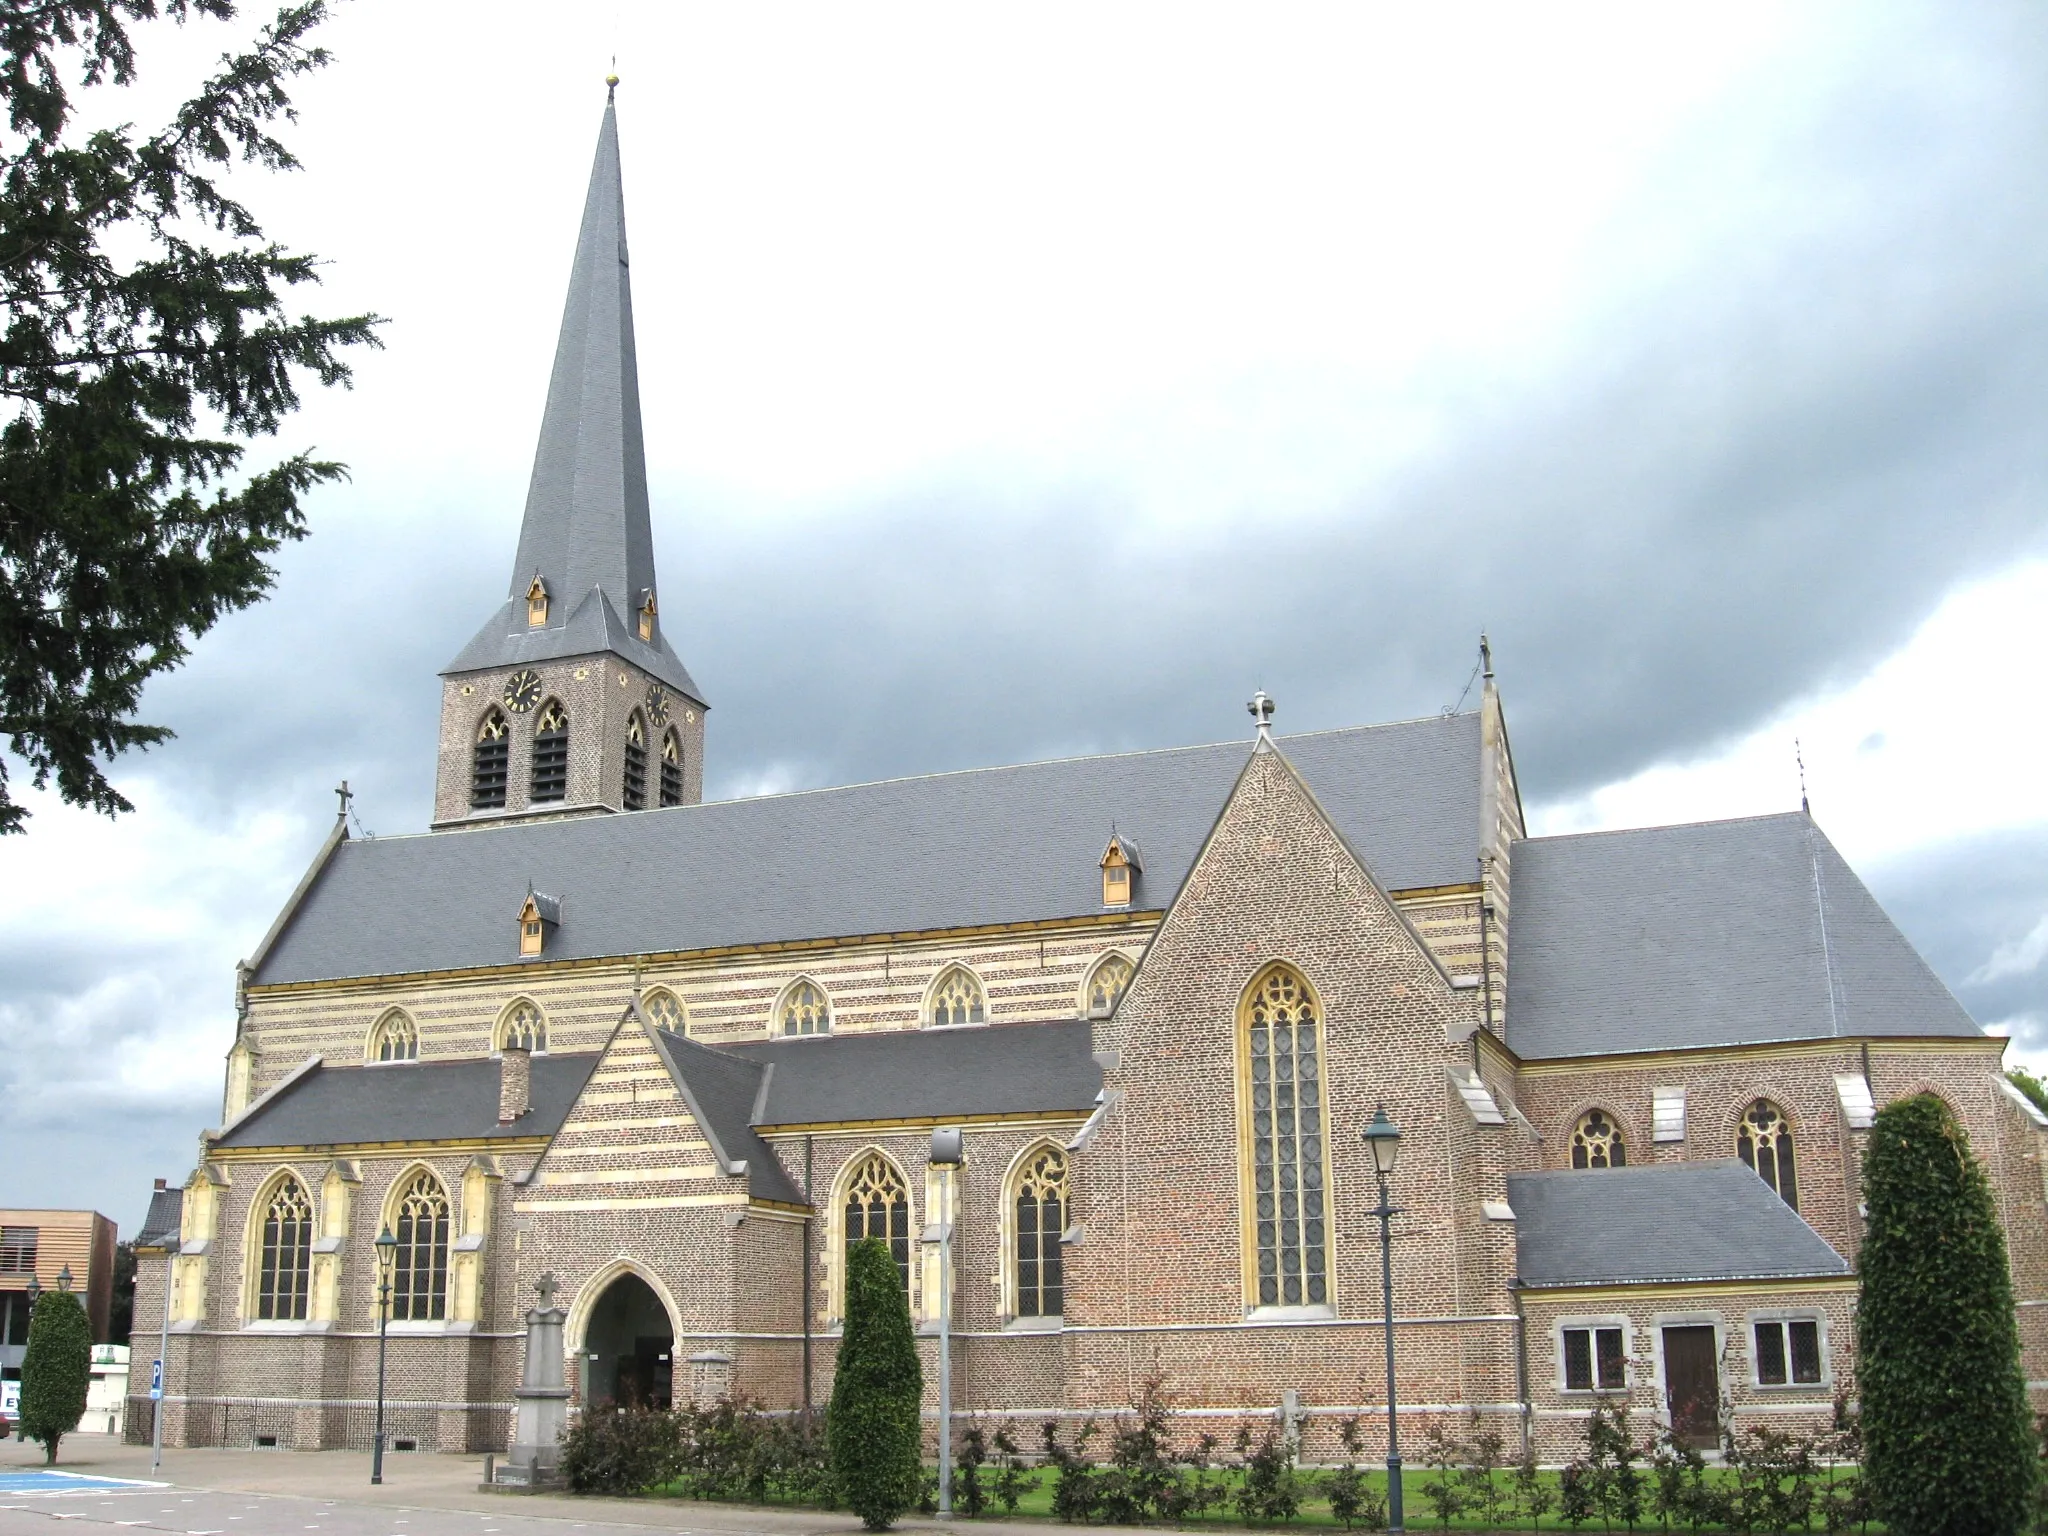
<point>489,767</point>
<point>419,1278</point>
<point>551,753</point>
<point>1290,1233</point>
<point>636,762</point>
<point>877,1205</point>
<point>671,769</point>
<point>1041,1220</point>
<point>285,1268</point>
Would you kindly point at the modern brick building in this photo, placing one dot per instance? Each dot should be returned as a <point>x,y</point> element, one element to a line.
<point>679,1054</point>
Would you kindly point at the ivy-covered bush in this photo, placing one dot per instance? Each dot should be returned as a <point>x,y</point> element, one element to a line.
<point>55,1370</point>
<point>873,1431</point>
<point>1949,1449</point>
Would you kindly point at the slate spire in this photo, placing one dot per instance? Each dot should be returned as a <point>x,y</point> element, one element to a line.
<point>586,534</point>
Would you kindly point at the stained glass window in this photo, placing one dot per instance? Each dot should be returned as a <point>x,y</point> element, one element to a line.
<point>877,1205</point>
<point>1764,1141</point>
<point>1290,1230</point>
<point>285,1268</point>
<point>1041,1219</point>
<point>419,1279</point>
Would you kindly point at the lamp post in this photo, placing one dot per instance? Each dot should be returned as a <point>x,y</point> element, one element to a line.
<point>163,1355</point>
<point>387,1256</point>
<point>945,1159</point>
<point>1383,1140</point>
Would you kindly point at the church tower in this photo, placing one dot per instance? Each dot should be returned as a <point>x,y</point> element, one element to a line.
<point>570,701</point>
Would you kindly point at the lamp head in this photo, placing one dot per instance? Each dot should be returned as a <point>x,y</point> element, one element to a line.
<point>64,1278</point>
<point>946,1150</point>
<point>1383,1140</point>
<point>35,1289</point>
<point>387,1250</point>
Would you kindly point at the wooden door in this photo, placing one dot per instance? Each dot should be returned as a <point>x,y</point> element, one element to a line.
<point>1692,1386</point>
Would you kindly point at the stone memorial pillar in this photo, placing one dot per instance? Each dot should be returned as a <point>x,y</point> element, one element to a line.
<point>543,1398</point>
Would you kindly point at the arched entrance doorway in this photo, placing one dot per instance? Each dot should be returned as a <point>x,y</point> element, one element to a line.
<point>628,1347</point>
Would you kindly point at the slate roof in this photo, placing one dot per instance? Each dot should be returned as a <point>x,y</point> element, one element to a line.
<point>164,1222</point>
<point>586,532</point>
<point>1669,1222</point>
<point>409,1101</point>
<point>1715,933</point>
<point>721,1090</point>
<point>987,846</point>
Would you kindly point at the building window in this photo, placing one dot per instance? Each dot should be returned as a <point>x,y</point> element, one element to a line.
<point>419,1278</point>
<point>1594,1360</point>
<point>1764,1141</point>
<point>1106,984</point>
<point>664,1010</point>
<point>1041,1208</point>
<point>524,1027</point>
<point>1788,1353</point>
<point>806,1010</point>
<point>284,1269</point>
<point>490,763</point>
<point>536,603</point>
<point>18,1250</point>
<point>878,1205</point>
<point>957,999</point>
<point>395,1038</point>
<point>1285,1125</point>
<point>1597,1143</point>
<point>551,753</point>
<point>671,768</point>
<point>636,762</point>
<point>648,610</point>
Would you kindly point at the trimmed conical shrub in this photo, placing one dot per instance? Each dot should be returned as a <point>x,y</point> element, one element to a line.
<point>1949,1447</point>
<point>873,1432</point>
<point>55,1370</point>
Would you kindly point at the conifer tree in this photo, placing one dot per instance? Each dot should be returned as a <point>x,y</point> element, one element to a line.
<point>1949,1448</point>
<point>874,1434</point>
<point>55,1370</point>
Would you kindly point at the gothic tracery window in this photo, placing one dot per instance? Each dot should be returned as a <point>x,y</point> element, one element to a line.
<point>524,1027</point>
<point>806,1010</point>
<point>1106,984</point>
<point>671,768</point>
<point>489,764</point>
<point>396,1038</point>
<point>664,1010</point>
<point>284,1269</point>
<point>1041,1207</point>
<point>1285,1124</point>
<point>957,999</point>
<point>878,1205</point>
<point>1764,1141</point>
<point>551,753</point>
<point>636,762</point>
<point>1597,1142</point>
<point>419,1277</point>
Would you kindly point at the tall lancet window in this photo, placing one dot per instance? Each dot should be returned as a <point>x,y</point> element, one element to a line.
<point>877,1204</point>
<point>419,1280</point>
<point>1288,1235</point>
<point>285,1264</point>
<point>671,768</point>
<point>551,753</point>
<point>636,762</point>
<point>1041,1204</point>
<point>488,766</point>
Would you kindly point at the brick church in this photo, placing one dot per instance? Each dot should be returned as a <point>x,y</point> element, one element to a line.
<point>679,1054</point>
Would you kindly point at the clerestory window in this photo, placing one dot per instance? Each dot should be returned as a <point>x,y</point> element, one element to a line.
<point>396,1038</point>
<point>1597,1142</point>
<point>958,999</point>
<point>1764,1141</point>
<point>551,753</point>
<point>524,1028</point>
<point>1106,984</point>
<point>664,1010</point>
<point>490,763</point>
<point>806,1010</point>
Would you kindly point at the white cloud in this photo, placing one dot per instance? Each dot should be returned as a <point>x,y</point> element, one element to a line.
<point>2019,957</point>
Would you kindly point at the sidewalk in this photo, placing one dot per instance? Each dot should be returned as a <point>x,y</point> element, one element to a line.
<point>449,1483</point>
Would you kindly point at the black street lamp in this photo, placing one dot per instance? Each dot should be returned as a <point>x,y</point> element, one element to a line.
<point>387,1256</point>
<point>1383,1140</point>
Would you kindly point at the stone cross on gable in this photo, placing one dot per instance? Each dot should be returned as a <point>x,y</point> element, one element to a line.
<point>546,1286</point>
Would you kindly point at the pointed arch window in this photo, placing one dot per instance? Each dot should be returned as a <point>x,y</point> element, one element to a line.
<point>1597,1142</point>
<point>671,768</point>
<point>285,1263</point>
<point>877,1204</point>
<point>1040,1204</point>
<point>636,762</point>
<point>806,1010</point>
<point>490,762</point>
<point>1106,984</point>
<point>1764,1141</point>
<point>958,998</point>
<point>524,1028</point>
<point>664,1010</point>
<point>419,1278</point>
<point>1288,1224</point>
<point>396,1038</point>
<point>551,753</point>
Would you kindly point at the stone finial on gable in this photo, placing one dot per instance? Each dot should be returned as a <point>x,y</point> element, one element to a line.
<point>538,916</point>
<point>1262,707</point>
<point>1121,867</point>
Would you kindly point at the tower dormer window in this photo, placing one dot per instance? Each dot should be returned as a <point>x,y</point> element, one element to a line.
<point>536,602</point>
<point>647,614</point>
<point>536,917</point>
<point>551,753</point>
<point>1120,869</point>
<point>636,762</point>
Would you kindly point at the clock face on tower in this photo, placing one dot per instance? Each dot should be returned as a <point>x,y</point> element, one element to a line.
<point>522,691</point>
<point>657,703</point>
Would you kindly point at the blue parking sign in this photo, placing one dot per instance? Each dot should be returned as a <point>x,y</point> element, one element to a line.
<point>156,1381</point>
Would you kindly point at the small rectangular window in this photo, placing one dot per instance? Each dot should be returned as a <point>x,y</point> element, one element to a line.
<point>1788,1353</point>
<point>1594,1360</point>
<point>1770,1354</point>
<point>1805,1339</point>
<point>1612,1371</point>
<point>1578,1359</point>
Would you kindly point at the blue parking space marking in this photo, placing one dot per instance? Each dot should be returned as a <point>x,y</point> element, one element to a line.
<point>44,1483</point>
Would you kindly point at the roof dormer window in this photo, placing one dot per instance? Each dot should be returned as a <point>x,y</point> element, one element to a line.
<point>538,915</point>
<point>536,603</point>
<point>647,614</point>
<point>1120,870</point>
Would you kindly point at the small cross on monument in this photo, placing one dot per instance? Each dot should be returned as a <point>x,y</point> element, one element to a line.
<point>546,1287</point>
<point>342,794</point>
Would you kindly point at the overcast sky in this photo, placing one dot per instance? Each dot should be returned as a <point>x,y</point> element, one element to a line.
<point>1023,384</point>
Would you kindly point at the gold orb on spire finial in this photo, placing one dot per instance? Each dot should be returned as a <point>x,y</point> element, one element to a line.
<point>611,79</point>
